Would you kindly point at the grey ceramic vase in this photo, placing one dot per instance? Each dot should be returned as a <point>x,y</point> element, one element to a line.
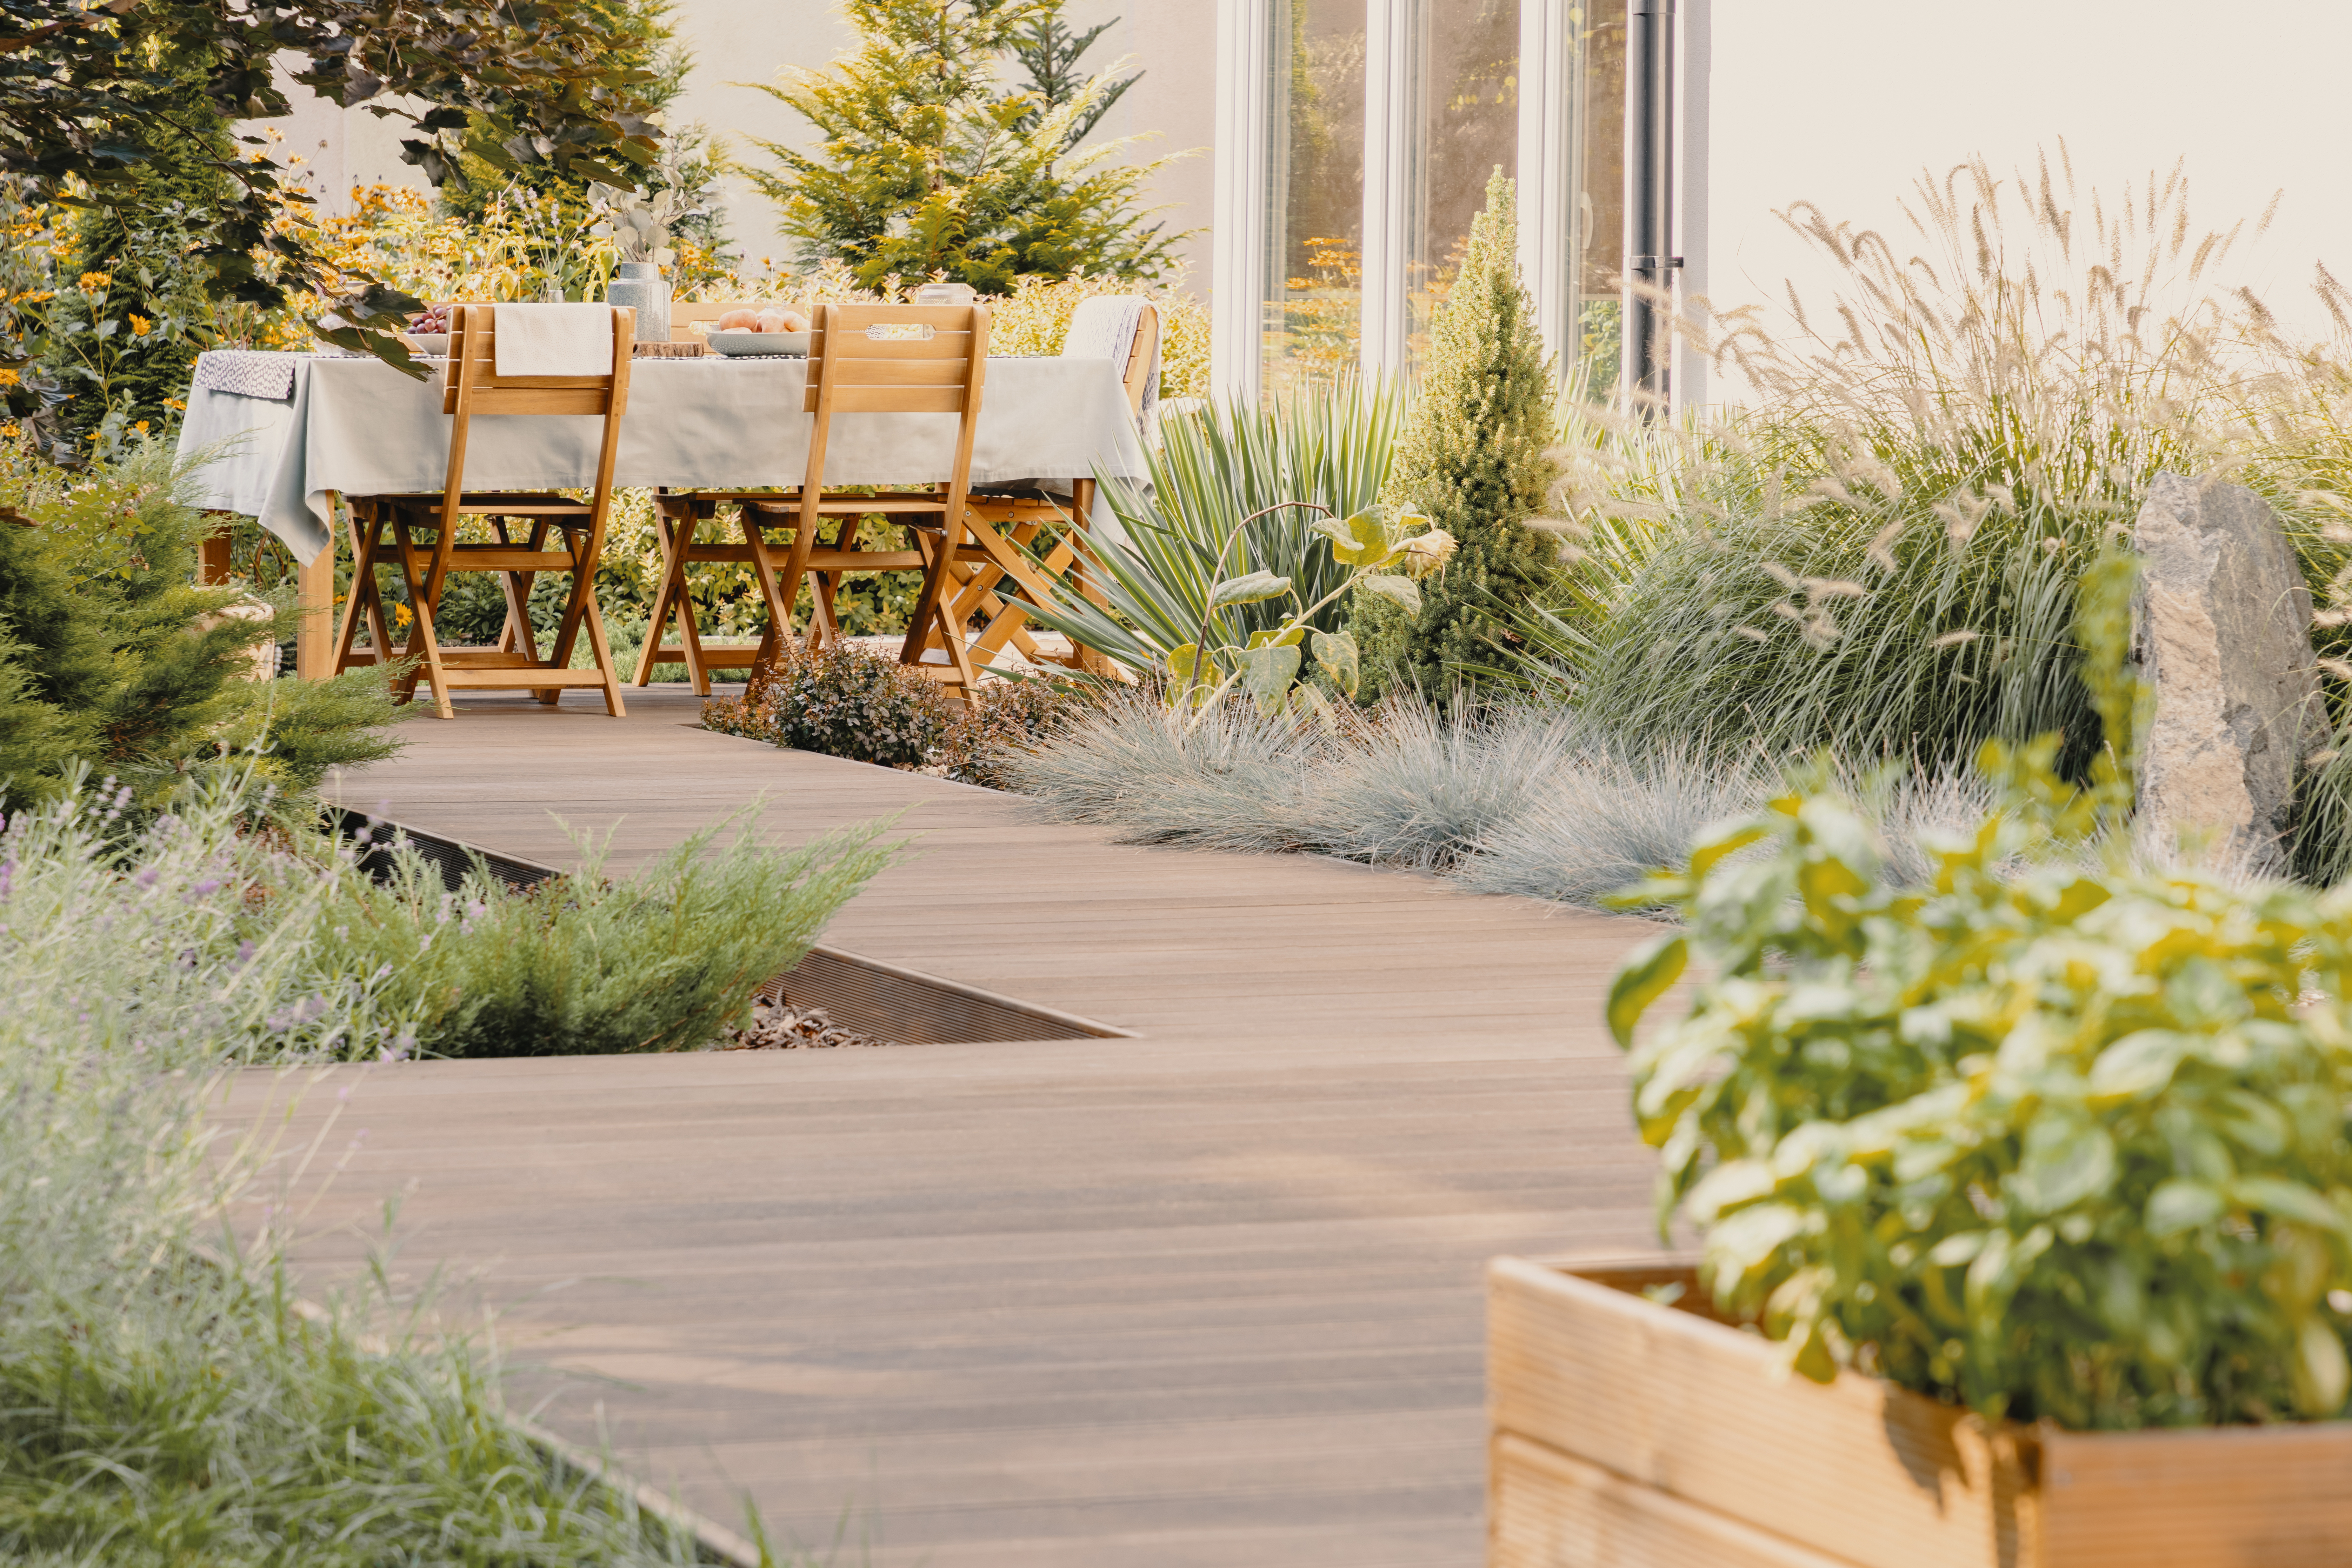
<point>640,286</point>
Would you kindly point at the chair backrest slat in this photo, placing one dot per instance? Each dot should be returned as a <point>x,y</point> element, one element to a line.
<point>912,359</point>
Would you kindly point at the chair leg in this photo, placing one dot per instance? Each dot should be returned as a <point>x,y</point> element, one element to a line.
<point>421,639</point>
<point>580,612</point>
<point>764,571</point>
<point>362,600</point>
<point>677,530</point>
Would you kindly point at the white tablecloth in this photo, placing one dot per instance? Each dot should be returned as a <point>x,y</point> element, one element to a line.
<point>359,427</point>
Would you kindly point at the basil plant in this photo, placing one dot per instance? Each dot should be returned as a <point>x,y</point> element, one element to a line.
<point>2053,1136</point>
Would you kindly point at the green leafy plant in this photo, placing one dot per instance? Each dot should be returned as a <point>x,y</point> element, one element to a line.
<point>2047,1136</point>
<point>1379,554</point>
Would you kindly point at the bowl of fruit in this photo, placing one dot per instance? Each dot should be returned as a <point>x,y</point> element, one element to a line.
<point>774,331</point>
<point>428,332</point>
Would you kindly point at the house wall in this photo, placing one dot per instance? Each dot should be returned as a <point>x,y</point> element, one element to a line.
<point>1844,102</point>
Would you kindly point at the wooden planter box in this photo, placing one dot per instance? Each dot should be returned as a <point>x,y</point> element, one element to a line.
<point>1630,1434</point>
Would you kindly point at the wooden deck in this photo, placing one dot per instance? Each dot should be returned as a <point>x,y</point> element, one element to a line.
<point>1206,1295</point>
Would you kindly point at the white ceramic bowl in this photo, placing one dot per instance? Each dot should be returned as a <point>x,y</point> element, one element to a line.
<point>735,341</point>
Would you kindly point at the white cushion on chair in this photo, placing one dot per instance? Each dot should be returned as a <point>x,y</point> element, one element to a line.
<point>1104,327</point>
<point>554,340</point>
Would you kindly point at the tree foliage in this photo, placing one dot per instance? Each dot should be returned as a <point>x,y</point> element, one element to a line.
<point>84,92</point>
<point>1474,458</point>
<point>925,165</point>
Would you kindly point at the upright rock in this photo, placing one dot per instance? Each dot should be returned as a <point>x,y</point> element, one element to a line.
<point>2224,636</point>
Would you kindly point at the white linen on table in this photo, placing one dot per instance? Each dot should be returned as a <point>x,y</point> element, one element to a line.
<point>553,340</point>
<point>1104,327</point>
<point>360,428</point>
<point>247,373</point>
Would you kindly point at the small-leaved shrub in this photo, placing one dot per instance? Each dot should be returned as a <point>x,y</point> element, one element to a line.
<point>850,701</point>
<point>2050,1134</point>
<point>844,701</point>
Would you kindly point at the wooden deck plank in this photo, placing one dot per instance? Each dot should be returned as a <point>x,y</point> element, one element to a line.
<point>1209,1295</point>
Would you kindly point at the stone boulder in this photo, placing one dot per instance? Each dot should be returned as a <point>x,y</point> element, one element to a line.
<point>2224,638</point>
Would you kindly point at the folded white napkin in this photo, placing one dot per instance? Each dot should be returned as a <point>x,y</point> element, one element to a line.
<point>1104,327</point>
<point>554,340</point>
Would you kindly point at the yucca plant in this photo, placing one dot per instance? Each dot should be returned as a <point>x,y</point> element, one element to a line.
<point>1211,483</point>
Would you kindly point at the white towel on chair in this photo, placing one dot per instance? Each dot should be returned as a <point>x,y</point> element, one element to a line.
<point>1104,327</point>
<point>554,340</point>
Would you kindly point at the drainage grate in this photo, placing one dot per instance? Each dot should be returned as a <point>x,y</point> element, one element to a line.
<point>873,998</point>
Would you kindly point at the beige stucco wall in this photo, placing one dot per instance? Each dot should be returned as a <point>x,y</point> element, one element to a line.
<point>736,43</point>
<point>1844,102</point>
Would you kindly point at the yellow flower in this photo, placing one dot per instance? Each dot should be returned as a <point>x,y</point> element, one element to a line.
<point>175,402</point>
<point>140,428</point>
<point>140,326</point>
<point>10,431</point>
<point>9,378</point>
<point>94,281</point>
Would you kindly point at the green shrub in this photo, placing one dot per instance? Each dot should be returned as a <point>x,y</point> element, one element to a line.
<point>1475,459</point>
<point>584,965</point>
<point>844,701</point>
<point>850,701</point>
<point>2049,1136</point>
<point>110,656</point>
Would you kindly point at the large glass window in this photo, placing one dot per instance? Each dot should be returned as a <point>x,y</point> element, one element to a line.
<point>1598,254</point>
<point>1315,189</point>
<point>1382,121</point>
<point>1467,104</point>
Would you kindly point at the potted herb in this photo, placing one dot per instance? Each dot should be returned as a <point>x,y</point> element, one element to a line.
<point>2025,1201</point>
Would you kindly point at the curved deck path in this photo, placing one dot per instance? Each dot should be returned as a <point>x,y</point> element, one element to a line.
<point>1208,1296</point>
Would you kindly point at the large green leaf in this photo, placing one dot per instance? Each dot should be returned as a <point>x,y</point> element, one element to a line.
<point>1267,673</point>
<point>1366,538</point>
<point>1403,591</point>
<point>1255,589</point>
<point>1641,979</point>
<point>1334,652</point>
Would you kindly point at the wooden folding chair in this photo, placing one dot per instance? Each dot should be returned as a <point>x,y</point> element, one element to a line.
<point>863,359</point>
<point>981,569</point>
<point>386,529</point>
<point>679,519</point>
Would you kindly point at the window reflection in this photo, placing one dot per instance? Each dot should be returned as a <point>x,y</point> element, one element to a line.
<point>1600,250</point>
<point>1468,99</point>
<point>1314,286</point>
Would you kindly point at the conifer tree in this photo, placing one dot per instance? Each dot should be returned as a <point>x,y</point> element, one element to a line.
<point>1474,458</point>
<point>111,656</point>
<point>927,164</point>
